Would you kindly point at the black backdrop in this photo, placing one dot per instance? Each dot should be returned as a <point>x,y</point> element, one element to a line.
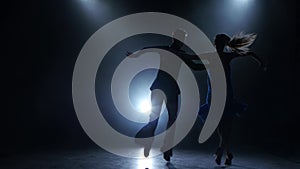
<point>42,39</point>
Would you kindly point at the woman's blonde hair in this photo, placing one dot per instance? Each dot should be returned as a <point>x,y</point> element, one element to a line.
<point>241,42</point>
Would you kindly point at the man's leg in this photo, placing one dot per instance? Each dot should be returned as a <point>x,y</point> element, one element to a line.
<point>157,98</point>
<point>172,107</point>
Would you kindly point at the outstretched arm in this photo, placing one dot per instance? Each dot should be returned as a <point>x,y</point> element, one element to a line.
<point>257,59</point>
<point>143,50</point>
<point>194,61</point>
<point>203,56</point>
<point>136,53</point>
<point>193,65</point>
<point>189,60</point>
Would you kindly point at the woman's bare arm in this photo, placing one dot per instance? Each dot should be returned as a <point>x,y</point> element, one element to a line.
<point>257,59</point>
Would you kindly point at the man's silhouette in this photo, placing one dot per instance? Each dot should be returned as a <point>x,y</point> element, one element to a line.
<point>165,88</point>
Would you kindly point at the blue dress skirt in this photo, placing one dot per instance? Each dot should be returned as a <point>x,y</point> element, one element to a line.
<point>233,107</point>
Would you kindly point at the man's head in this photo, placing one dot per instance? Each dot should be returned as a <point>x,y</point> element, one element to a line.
<point>179,37</point>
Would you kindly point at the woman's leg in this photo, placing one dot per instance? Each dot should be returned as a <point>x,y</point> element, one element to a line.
<point>224,132</point>
<point>220,149</point>
<point>226,136</point>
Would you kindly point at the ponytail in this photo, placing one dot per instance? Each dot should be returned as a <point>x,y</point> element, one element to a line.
<point>241,42</point>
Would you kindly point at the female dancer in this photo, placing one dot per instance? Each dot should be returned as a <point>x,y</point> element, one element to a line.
<point>228,49</point>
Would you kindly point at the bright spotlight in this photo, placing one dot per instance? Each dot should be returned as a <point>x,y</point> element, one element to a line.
<point>242,1</point>
<point>94,9</point>
<point>144,163</point>
<point>145,106</point>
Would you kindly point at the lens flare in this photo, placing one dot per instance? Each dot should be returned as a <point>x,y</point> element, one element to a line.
<point>144,163</point>
<point>145,106</point>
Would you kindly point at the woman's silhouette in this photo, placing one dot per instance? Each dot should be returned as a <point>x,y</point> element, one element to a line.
<point>229,48</point>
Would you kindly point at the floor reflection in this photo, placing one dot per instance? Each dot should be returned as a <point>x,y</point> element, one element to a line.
<point>182,159</point>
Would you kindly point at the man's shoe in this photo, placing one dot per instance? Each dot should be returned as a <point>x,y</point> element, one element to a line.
<point>168,154</point>
<point>218,160</point>
<point>229,158</point>
<point>218,155</point>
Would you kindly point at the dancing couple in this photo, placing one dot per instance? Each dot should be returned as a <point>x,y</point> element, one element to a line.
<point>165,88</point>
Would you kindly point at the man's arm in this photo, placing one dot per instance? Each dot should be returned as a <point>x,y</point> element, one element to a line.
<point>197,62</point>
<point>142,51</point>
<point>194,66</point>
<point>193,61</point>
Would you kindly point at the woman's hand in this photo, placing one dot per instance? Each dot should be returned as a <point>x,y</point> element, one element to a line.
<point>258,59</point>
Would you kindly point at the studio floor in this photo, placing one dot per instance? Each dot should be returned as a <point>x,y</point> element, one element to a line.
<point>182,159</point>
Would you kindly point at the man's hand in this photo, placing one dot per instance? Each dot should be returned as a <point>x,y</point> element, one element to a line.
<point>128,53</point>
<point>131,55</point>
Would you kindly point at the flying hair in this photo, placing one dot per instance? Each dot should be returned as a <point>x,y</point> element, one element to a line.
<point>241,42</point>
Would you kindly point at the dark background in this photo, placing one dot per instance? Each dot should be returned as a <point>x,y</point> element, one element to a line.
<point>42,39</point>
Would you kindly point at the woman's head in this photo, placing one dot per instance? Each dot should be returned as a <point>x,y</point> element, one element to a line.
<point>239,43</point>
<point>221,40</point>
